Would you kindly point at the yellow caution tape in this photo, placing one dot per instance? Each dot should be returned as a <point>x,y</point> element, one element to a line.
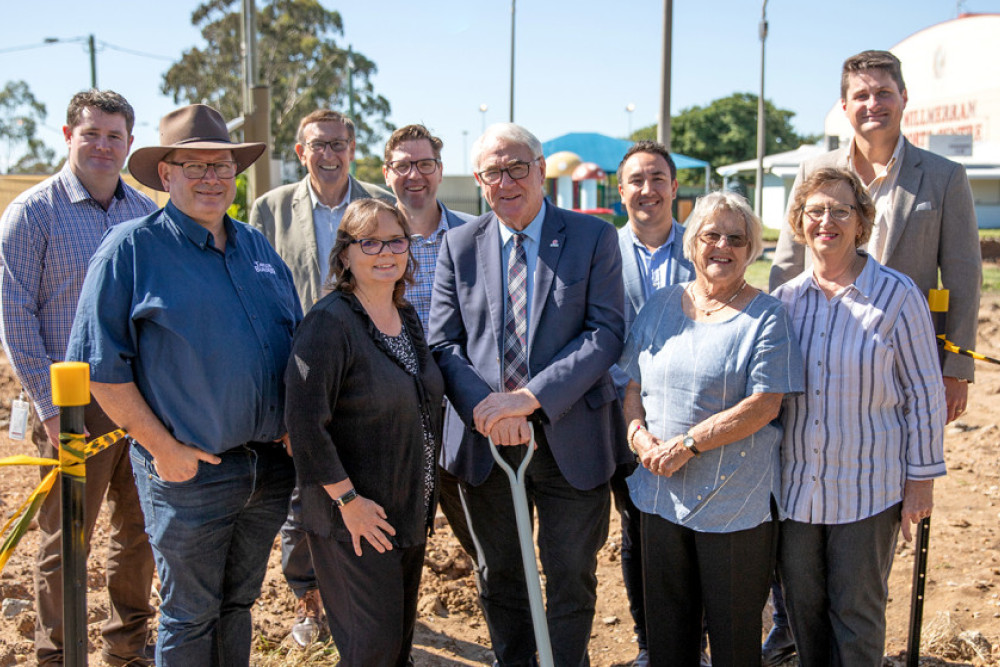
<point>72,456</point>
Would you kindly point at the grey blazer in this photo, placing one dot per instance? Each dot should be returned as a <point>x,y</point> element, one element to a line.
<point>284,215</point>
<point>681,270</point>
<point>932,226</point>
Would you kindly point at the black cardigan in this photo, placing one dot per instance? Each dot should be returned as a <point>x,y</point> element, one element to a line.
<point>353,411</point>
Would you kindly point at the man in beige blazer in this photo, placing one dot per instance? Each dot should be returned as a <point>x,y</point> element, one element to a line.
<point>301,220</point>
<point>925,218</point>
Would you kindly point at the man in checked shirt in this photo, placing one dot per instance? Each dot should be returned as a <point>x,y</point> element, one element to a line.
<point>413,170</point>
<point>47,236</point>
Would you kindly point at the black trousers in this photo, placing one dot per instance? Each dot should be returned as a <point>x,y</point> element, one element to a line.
<point>723,576</point>
<point>572,527</point>
<point>631,551</point>
<point>370,602</point>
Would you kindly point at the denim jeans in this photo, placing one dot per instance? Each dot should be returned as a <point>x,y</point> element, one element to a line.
<point>211,537</point>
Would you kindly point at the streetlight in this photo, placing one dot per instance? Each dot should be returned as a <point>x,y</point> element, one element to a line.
<point>93,53</point>
<point>629,108</point>
<point>482,110</point>
<point>759,196</point>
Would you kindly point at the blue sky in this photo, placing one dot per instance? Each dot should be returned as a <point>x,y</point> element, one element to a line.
<point>578,62</point>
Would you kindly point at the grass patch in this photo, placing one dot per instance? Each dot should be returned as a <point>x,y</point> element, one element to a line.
<point>991,278</point>
<point>758,274</point>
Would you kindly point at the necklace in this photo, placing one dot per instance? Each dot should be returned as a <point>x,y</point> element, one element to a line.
<point>709,311</point>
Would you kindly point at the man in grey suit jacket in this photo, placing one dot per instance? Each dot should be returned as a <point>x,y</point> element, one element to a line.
<point>652,251</point>
<point>540,288</point>
<point>300,220</point>
<point>925,218</point>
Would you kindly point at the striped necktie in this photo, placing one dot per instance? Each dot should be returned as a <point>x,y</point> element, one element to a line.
<point>515,328</point>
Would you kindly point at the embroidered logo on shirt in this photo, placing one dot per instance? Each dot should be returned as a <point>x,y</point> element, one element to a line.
<point>264,267</point>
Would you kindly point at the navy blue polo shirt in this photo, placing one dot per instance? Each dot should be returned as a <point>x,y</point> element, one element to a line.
<point>204,334</point>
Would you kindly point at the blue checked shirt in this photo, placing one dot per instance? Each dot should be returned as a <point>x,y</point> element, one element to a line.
<point>425,252</point>
<point>47,236</point>
<point>873,412</point>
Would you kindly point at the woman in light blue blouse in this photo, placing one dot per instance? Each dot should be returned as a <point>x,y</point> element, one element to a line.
<point>709,363</point>
<point>864,442</point>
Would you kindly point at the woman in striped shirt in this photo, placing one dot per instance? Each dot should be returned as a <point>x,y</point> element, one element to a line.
<point>864,442</point>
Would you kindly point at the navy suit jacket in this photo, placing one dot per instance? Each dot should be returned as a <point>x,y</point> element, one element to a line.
<point>575,334</point>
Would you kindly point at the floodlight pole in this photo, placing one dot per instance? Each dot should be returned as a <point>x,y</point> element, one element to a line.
<point>512,12</point>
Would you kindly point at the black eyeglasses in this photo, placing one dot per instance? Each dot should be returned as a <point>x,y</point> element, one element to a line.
<point>516,170</point>
<point>396,246</point>
<point>735,240</point>
<point>838,212</point>
<point>337,145</point>
<point>195,170</point>
<point>426,166</point>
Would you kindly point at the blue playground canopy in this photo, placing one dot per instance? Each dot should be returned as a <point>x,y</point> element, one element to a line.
<point>606,151</point>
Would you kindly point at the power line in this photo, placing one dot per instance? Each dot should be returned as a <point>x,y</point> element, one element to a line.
<point>133,52</point>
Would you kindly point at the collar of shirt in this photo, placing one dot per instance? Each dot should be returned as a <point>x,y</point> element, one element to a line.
<point>198,234</point>
<point>642,247</point>
<point>654,267</point>
<point>435,236</point>
<point>533,231</point>
<point>881,177</point>
<point>316,203</point>
<point>76,191</point>
<point>863,285</point>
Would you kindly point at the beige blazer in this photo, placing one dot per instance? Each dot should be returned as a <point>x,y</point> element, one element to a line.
<point>932,226</point>
<point>284,215</point>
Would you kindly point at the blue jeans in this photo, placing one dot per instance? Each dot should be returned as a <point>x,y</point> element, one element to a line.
<point>211,537</point>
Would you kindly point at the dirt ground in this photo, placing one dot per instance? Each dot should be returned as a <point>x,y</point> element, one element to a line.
<point>961,616</point>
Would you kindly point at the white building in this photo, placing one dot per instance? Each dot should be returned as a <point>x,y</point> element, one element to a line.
<point>952,74</point>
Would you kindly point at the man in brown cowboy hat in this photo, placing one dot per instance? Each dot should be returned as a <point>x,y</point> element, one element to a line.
<point>186,317</point>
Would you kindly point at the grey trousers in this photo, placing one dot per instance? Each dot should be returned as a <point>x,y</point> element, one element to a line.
<point>836,580</point>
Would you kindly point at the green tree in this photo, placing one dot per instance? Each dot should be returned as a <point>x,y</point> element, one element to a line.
<point>20,116</point>
<point>298,57</point>
<point>725,131</point>
<point>369,170</point>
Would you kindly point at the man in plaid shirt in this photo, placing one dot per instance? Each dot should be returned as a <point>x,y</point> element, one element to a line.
<point>413,170</point>
<point>47,236</point>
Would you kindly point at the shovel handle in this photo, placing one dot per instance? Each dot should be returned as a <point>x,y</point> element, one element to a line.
<point>522,513</point>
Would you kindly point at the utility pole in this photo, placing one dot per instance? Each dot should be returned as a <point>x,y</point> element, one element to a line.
<point>759,194</point>
<point>663,127</point>
<point>256,107</point>
<point>93,61</point>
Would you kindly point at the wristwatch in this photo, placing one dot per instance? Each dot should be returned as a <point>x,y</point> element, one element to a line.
<point>346,498</point>
<point>688,443</point>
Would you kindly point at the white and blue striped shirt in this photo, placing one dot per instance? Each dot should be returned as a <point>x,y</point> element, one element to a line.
<point>873,412</point>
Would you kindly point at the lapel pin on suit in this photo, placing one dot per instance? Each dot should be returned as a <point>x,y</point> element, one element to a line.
<point>554,244</point>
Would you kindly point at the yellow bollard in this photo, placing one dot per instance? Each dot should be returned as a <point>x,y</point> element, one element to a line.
<point>71,392</point>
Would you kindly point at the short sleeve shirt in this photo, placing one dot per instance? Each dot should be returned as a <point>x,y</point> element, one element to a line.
<point>690,371</point>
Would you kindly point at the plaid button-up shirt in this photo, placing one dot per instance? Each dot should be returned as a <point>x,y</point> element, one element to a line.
<point>47,236</point>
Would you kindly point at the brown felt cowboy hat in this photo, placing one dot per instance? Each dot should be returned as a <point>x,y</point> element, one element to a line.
<point>195,126</point>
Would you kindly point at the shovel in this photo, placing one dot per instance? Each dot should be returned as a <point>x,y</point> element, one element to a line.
<point>523,516</point>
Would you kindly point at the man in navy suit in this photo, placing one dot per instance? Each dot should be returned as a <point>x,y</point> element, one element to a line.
<point>526,321</point>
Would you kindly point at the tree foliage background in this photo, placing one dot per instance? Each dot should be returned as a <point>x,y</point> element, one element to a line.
<point>725,131</point>
<point>298,57</point>
<point>20,116</point>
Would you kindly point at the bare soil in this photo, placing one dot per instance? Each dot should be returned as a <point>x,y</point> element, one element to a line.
<point>961,616</point>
